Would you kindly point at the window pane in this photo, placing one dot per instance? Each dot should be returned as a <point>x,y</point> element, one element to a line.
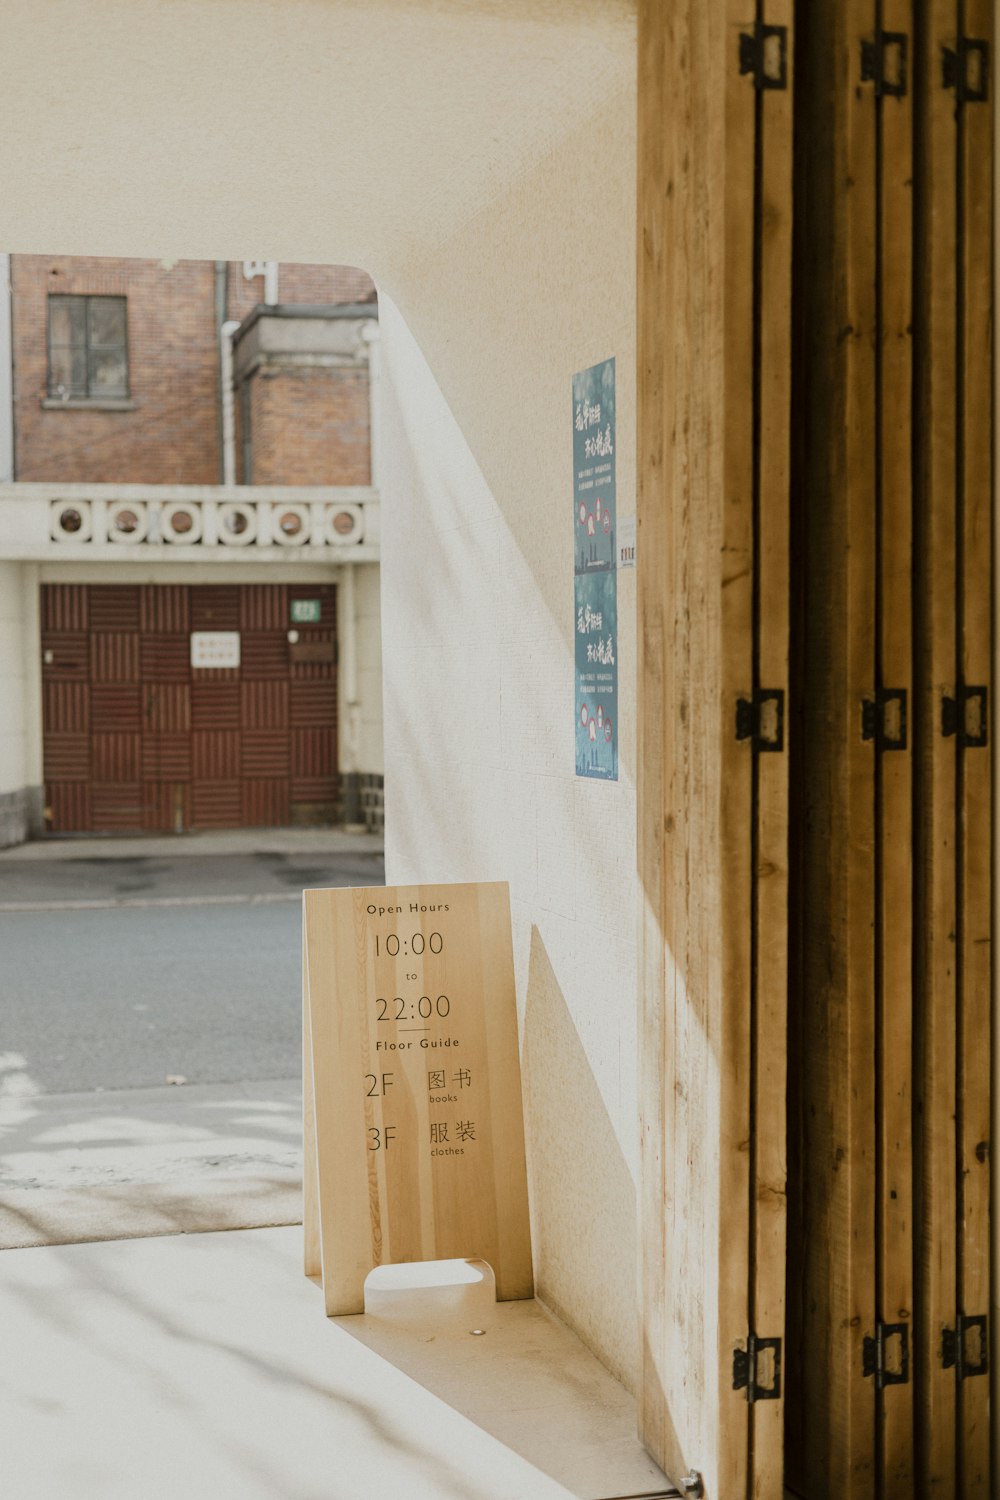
<point>107,321</point>
<point>67,372</point>
<point>66,320</point>
<point>108,375</point>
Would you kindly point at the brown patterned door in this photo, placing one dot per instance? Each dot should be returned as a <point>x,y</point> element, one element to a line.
<point>138,739</point>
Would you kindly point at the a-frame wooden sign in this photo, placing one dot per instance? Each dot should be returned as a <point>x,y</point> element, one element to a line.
<point>414,1135</point>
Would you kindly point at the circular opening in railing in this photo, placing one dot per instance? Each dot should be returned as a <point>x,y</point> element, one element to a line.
<point>290,525</point>
<point>71,522</point>
<point>181,523</point>
<point>127,522</point>
<point>343,524</point>
<point>237,524</point>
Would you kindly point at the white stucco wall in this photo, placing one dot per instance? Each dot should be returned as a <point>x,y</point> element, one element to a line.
<point>369,617</point>
<point>477,550</point>
<point>359,676</point>
<point>477,157</point>
<point>18,624</point>
<point>12,769</point>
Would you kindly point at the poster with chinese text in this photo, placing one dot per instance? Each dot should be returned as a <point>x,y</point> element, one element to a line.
<point>594,486</point>
<point>595,625</point>
<point>596,632</point>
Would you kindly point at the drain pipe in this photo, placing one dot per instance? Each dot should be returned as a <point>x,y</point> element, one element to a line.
<point>6,374</point>
<point>348,632</point>
<point>269,270</point>
<point>371,334</point>
<point>251,270</point>
<point>221,307</point>
<point>228,401</point>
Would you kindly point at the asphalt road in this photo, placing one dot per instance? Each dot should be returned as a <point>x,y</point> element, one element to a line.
<point>200,980</point>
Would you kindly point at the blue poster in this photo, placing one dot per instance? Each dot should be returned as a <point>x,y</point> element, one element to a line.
<point>595,625</point>
<point>594,468</point>
<point>596,633</point>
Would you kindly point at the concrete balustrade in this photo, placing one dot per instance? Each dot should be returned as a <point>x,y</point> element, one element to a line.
<point>224,523</point>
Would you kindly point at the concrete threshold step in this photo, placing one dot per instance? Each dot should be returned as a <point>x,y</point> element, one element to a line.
<point>203,1366</point>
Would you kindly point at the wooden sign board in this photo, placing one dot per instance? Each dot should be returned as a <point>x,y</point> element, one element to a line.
<point>312,651</point>
<point>414,1134</point>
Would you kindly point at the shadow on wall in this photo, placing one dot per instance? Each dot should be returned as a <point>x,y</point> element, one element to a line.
<point>577,1173</point>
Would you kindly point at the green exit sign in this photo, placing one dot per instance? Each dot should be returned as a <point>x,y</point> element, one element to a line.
<point>305,611</point>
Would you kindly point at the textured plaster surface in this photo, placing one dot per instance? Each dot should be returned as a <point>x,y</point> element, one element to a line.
<point>479,685</point>
<point>351,131</point>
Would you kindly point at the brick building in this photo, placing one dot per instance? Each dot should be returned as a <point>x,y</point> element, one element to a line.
<point>188,467</point>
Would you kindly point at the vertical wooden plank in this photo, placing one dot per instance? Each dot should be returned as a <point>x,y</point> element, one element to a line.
<point>831,1405</point>
<point>695,444</point>
<point>994,729</point>
<point>858,1244</point>
<point>737,1116</point>
<point>655,688</point>
<point>312,1252</point>
<point>65,705</point>
<point>973,483</point>
<point>348,1243</point>
<point>893,673</point>
<point>771,562</point>
<point>935,913</point>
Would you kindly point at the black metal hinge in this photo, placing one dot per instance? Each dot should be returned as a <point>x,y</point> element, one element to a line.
<point>762,719</point>
<point>764,54</point>
<point>955,1350</point>
<point>757,1369</point>
<point>883,719</point>
<point>876,1355</point>
<point>966,716</point>
<point>966,69</point>
<point>884,63</point>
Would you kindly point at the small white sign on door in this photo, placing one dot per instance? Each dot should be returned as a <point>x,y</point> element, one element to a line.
<point>215,648</point>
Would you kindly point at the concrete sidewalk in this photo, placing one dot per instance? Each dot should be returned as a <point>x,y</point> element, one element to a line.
<point>135,1162</point>
<point>253,865</point>
<point>323,841</point>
